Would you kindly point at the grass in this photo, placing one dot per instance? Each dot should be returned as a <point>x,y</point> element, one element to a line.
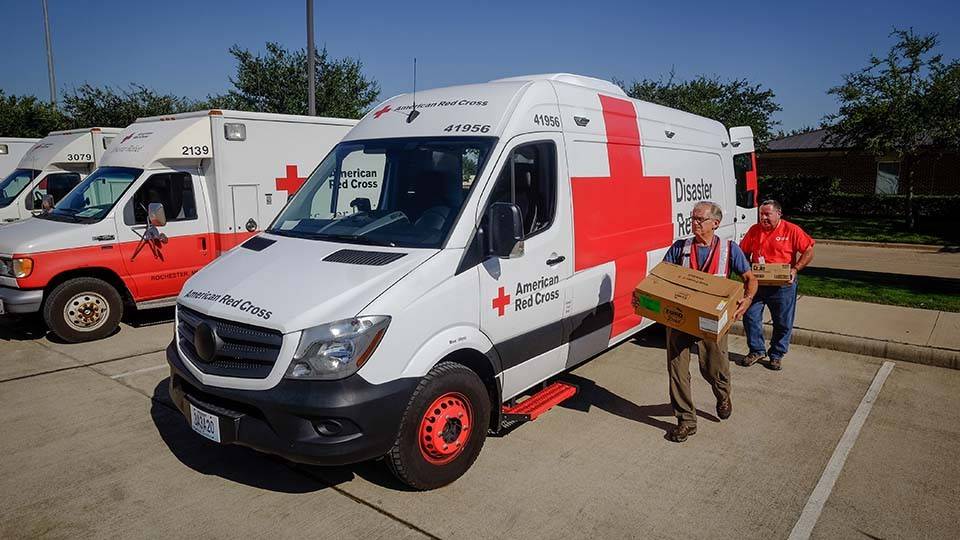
<point>874,229</point>
<point>879,288</point>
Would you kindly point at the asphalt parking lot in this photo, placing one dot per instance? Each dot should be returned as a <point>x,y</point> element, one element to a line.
<point>91,446</point>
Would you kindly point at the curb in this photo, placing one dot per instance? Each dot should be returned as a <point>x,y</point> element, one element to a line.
<point>890,350</point>
<point>926,248</point>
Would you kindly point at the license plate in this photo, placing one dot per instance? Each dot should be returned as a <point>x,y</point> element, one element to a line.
<point>205,423</point>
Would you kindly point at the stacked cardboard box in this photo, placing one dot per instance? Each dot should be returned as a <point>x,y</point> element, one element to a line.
<point>694,302</point>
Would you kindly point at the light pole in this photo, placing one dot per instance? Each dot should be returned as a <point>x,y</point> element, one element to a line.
<point>53,81</point>
<point>311,64</point>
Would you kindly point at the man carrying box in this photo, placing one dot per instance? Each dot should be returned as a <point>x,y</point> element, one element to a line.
<point>774,241</point>
<point>707,253</point>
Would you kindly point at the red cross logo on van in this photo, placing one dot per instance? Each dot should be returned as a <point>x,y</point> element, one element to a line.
<point>291,183</point>
<point>621,232</point>
<point>501,302</point>
<point>381,112</point>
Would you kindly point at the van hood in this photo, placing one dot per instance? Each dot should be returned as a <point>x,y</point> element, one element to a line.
<point>35,235</point>
<point>285,283</point>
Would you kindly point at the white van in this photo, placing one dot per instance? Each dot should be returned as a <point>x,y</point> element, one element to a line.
<point>209,180</point>
<point>53,166</point>
<point>509,225</point>
<point>12,150</point>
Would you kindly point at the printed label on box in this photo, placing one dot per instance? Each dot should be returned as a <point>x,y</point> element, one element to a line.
<point>709,325</point>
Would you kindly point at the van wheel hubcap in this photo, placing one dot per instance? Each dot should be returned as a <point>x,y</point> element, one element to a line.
<point>86,312</point>
<point>445,428</point>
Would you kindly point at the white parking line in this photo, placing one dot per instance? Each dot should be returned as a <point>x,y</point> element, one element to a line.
<point>137,371</point>
<point>811,512</point>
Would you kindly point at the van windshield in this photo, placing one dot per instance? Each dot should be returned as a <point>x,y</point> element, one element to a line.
<point>14,183</point>
<point>93,198</point>
<point>393,192</point>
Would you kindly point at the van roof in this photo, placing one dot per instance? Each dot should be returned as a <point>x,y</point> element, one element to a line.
<point>107,130</point>
<point>58,145</point>
<point>569,78</point>
<point>17,140</point>
<point>247,115</point>
<point>495,108</point>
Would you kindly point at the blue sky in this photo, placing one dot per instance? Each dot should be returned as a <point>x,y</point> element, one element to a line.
<point>798,49</point>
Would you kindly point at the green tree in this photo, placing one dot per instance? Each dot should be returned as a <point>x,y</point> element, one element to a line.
<point>88,105</point>
<point>732,103</point>
<point>27,116</point>
<point>906,104</point>
<point>277,82</point>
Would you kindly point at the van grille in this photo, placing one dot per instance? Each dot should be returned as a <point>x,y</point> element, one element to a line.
<point>366,258</point>
<point>247,351</point>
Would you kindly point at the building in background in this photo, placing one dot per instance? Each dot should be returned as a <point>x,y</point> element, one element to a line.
<point>810,155</point>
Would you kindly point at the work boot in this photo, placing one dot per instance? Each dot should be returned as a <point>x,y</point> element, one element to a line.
<point>774,364</point>
<point>724,408</point>
<point>752,359</point>
<point>681,432</point>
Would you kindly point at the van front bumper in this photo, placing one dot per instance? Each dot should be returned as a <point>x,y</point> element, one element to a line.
<point>314,422</point>
<point>20,301</point>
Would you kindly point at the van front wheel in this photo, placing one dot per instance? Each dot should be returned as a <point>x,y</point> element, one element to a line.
<point>443,428</point>
<point>83,309</point>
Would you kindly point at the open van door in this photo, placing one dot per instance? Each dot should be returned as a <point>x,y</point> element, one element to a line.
<point>745,171</point>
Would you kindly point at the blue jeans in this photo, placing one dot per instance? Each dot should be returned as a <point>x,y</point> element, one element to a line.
<point>782,302</point>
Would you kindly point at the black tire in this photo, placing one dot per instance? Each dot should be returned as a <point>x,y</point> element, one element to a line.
<point>94,296</point>
<point>407,460</point>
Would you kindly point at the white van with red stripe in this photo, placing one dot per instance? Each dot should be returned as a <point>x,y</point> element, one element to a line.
<point>500,246</point>
<point>12,150</point>
<point>218,177</point>
<point>53,166</point>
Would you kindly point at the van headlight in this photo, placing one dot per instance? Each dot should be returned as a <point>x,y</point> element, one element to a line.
<point>19,268</point>
<point>338,349</point>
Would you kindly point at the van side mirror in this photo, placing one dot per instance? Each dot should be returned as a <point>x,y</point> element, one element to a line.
<point>156,216</point>
<point>741,139</point>
<point>32,201</point>
<point>505,230</point>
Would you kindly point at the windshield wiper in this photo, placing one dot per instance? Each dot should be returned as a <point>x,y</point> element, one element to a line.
<point>352,238</point>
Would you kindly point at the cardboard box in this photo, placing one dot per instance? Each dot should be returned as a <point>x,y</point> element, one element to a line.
<point>694,302</point>
<point>777,274</point>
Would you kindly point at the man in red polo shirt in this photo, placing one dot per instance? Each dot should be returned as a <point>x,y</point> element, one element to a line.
<point>774,240</point>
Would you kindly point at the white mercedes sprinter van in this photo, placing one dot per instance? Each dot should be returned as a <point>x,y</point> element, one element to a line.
<point>498,236</point>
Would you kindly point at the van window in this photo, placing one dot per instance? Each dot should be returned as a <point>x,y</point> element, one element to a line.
<point>529,180</point>
<point>173,190</point>
<point>394,192</point>
<point>742,164</point>
<point>57,184</point>
<point>14,183</point>
<point>93,198</point>
<point>361,181</point>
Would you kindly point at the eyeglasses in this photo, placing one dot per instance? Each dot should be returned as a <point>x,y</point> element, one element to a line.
<point>699,220</point>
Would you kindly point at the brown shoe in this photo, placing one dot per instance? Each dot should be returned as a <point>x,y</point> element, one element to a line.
<point>681,432</point>
<point>724,408</point>
<point>774,364</point>
<point>752,359</point>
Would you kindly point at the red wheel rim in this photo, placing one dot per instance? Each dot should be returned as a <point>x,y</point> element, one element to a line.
<point>445,428</point>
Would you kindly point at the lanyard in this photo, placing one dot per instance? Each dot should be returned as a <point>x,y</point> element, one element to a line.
<point>695,259</point>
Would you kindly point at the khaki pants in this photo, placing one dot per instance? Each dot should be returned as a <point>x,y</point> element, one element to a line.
<point>714,367</point>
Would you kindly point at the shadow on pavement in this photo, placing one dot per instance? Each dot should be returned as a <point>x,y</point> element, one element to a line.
<point>31,327</point>
<point>249,467</point>
<point>149,317</point>
<point>592,394</point>
<point>22,328</point>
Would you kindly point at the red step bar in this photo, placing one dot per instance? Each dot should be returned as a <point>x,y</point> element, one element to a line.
<point>539,403</point>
